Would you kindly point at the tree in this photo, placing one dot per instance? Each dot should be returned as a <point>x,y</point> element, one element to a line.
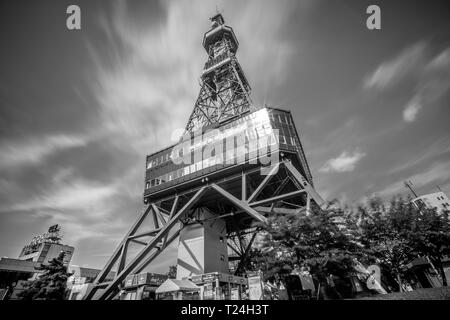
<point>51,284</point>
<point>386,233</point>
<point>172,273</point>
<point>431,238</point>
<point>321,241</point>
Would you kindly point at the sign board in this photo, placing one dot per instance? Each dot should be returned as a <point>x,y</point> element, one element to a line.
<point>155,279</point>
<point>208,291</point>
<point>209,277</point>
<point>255,289</point>
<point>235,293</point>
<point>129,280</point>
<point>141,278</point>
<point>196,279</point>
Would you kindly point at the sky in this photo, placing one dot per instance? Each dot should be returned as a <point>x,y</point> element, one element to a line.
<point>80,109</point>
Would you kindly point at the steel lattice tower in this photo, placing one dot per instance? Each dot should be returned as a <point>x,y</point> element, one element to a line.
<point>224,89</point>
<point>223,194</point>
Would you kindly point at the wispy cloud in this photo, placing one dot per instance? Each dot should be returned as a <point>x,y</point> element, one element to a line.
<point>435,149</point>
<point>412,109</point>
<point>433,84</point>
<point>436,173</point>
<point>431,76</point>
<point>345,162</point>
<point>393,71</point>
<point>35,150</point>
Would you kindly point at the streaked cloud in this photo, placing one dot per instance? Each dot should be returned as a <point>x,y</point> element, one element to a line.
<point>34,150</point>
<point>411,110</point>
<point>431,76</point>
<point>433,84</point>
<point>345,162</point>
<point>438,172</point>
<point>393,71</point>
<point>435,149</point>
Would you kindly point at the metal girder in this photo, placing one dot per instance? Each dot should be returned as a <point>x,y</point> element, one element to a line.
<point>172,212</point>
<point>150,258</point>
<point>239,203</point>
<point>304,183</point>
<point>119,250</point>
<point>244,187</point>
<point>151,245</point>
<point>145,234</point>
<point>277,210</point>
<point>263,183</point>
<point>140,259</point>
<point>277,198</point>
<point>155,213</point>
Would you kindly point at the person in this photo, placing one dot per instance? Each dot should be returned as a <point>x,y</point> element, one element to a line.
<point>332,286</point>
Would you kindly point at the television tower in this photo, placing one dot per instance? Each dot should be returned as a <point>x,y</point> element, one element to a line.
<point>239,165</point>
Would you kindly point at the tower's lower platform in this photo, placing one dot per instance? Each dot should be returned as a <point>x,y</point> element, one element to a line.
<point>207,221</point>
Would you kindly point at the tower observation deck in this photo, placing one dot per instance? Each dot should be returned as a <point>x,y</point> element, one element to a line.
<point>214,189</point>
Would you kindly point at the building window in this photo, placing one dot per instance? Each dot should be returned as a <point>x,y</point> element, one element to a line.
<point>147,185</point>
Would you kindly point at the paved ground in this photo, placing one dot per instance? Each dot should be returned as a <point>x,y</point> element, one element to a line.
<point>420,294</point>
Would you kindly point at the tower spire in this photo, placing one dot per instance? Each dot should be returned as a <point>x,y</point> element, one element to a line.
<point>224,89</point>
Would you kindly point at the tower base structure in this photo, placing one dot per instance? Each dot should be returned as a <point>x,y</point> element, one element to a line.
<point>184,216</point>
<point>202,246</point>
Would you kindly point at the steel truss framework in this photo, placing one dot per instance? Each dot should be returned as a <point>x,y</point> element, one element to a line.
<point>170,215</point>
<point>224,90</point>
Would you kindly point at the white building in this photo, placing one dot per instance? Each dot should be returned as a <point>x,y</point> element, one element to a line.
<point>438,200</point>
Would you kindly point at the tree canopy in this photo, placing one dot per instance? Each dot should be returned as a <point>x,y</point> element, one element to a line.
<point>51,284</point>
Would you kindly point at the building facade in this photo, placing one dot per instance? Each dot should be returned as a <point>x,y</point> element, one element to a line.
<point>438,200</point>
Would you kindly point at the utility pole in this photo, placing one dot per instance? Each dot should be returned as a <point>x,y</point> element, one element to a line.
<point>408,184</point>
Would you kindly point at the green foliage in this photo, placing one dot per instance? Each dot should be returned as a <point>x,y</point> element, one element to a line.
<point>320,241</point>
<point>51,284</point>
<point>330,241</point>
<point>172,273</point>
<point>431,238</point>
<point>385,234</point>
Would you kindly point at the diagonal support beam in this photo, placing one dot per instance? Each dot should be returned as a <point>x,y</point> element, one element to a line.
<point>138,242</point>
<point>145,234</point>
<point>277,210</point>
<point>277,198</point>
<point>174,207</point>
<point>172,212</point>
<point>304,183</point>
<point>244,187</point>
<point>239,203</point>
<point>155,217</point>
<point>263,183</point>
<point>150,258</point>
<point>117,254</point>
<point>151,245</point>
<point>101,276</point>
